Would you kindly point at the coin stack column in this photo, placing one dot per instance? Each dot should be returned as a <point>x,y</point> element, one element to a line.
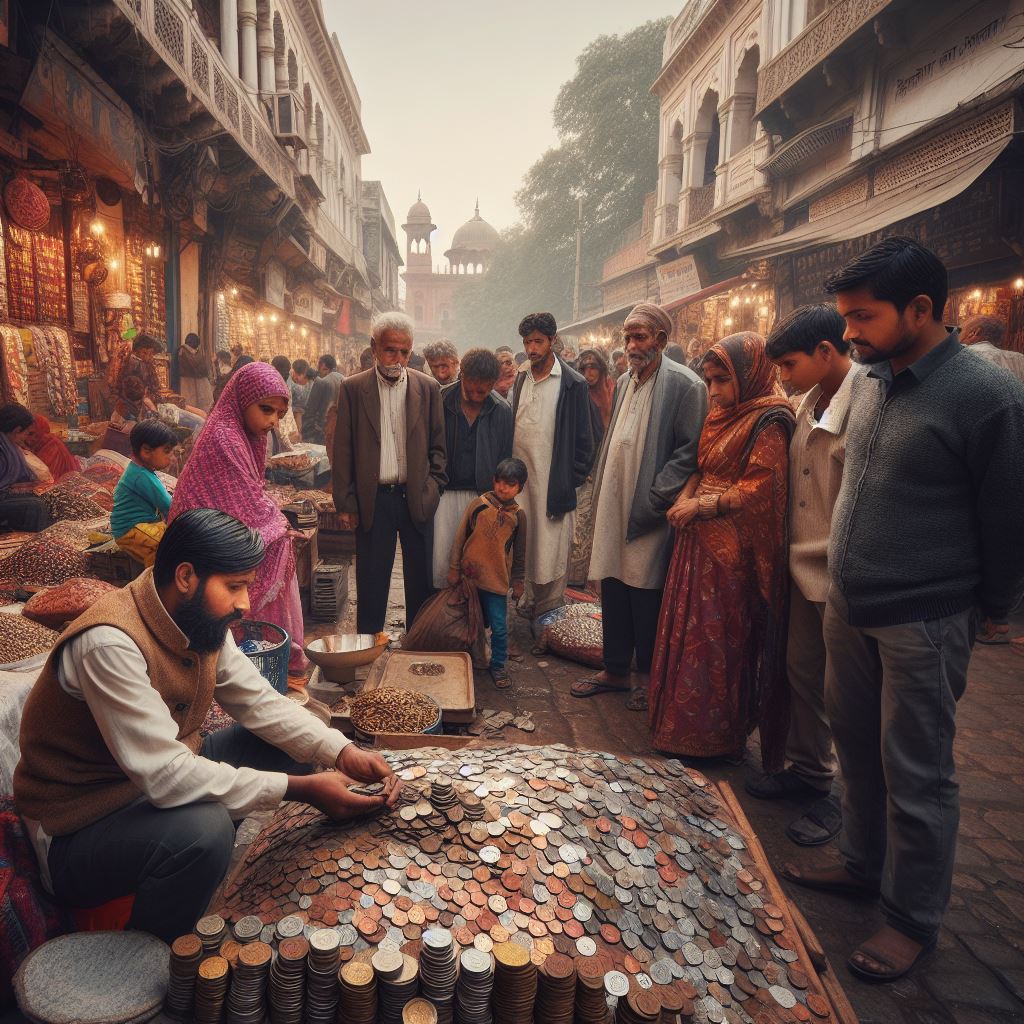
<point>357,994</point>
<point>556,990</point>
<point>473,990</point>
<point>515,984</point>
<point>322,976</point>
<point>186,952</point>
<point>438,971</point>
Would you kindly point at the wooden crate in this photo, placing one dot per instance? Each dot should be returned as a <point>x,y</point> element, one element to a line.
<point>336,545</point>
<point>108,562</point>
<point>306,557</point>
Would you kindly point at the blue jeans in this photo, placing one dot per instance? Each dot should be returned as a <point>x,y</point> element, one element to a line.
<point>495,609</point>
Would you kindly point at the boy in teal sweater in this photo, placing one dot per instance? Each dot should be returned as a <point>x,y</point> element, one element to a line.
<point>141,501</point>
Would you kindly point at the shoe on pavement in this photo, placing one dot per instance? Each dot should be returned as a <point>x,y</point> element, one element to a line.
<point>784,785</point>
<point>501,678</point>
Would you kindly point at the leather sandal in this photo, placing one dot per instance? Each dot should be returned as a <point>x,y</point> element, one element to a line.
<point>871,963</point>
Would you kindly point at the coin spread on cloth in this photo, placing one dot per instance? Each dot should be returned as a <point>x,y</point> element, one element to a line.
<point>509,884</point>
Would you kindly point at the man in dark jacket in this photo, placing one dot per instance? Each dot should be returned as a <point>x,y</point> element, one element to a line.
<point>478,435</point>
<point>551,409</point>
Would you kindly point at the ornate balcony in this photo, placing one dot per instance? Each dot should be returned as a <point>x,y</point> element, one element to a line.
<point>170,28</point>
<point>822,37</point>
<point>699,203</point>
<point>739,178</point>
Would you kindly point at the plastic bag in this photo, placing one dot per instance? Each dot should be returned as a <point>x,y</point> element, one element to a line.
<point>451,620</point>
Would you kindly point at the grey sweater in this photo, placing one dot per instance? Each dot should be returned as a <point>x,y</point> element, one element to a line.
<point>928,519</point>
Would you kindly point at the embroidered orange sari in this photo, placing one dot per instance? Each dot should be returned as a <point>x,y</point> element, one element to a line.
<point>719,661</point>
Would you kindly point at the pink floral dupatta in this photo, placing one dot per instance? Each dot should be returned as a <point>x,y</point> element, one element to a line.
<point>225,472</point>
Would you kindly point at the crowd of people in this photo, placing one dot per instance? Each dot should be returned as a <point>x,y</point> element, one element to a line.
<point>816,569</point>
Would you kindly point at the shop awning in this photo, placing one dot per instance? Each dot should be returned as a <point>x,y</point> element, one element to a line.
<point>706,293</point>
<point>925,190</point>
<point>597,318</point>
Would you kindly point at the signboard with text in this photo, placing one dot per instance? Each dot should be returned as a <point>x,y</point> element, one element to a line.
<point>678,279</point>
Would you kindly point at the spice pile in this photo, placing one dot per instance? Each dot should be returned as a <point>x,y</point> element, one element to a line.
<point>21,639</point>
<point>390,710</point>
<point>68,503</point>
<point>582,880</point>
<point>44,562</point>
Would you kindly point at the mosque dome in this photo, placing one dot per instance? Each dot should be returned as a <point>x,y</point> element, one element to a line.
<point>475,235</point>
<point>419,212</point>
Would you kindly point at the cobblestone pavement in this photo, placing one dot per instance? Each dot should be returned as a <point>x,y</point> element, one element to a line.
<point>977,973</point>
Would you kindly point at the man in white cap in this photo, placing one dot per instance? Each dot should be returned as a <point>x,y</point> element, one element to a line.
<point>649,452</point>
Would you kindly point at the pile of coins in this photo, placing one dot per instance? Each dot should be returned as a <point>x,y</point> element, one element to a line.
<point>630,869</point>
<point>247,929</point>
<point>473,989</point>
<point>556,990</point>
<point>357,994</point>
<point>288,981</point>
<point>211,931</point>
<point>186,952</point>
<point>390,710</point>
<point>249,977</point>
<point>322,976</point>
<point>515,984</point>
<point>438,972</point>
<point>211,988</point>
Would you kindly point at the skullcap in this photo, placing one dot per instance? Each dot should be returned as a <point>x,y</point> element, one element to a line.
<point>654,315</point>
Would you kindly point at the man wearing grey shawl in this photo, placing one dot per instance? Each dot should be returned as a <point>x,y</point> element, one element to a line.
<point>648,454</point>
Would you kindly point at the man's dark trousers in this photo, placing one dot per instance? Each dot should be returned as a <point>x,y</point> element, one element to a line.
<point>375,558</point>
<point>629,622</point>
<point>172,859</point>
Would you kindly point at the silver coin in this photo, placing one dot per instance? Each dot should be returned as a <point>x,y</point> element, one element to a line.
<point>782,996</point>
<point>475,961</point>
<point>644,980</point>
<point>586,946</point>
<point>289,927</point>
<point>616,984</point>
<point>490,854</point>
<point>324,940</point>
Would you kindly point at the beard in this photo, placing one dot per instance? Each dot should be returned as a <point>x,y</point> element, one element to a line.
<point>205,633</point>
<point>639,361</point>
<point>871,356</point>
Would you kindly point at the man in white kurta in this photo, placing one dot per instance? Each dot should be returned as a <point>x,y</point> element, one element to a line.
<point>549,538</point>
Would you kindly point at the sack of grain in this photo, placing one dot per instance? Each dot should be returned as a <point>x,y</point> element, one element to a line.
<point>59,605</point>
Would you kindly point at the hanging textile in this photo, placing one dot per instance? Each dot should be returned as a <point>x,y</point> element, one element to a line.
<point>52,348</point>
<point>15,364</point>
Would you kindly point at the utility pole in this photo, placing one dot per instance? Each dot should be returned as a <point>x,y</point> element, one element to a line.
<point>579,241</point>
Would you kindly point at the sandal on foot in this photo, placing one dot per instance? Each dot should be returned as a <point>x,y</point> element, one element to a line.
<point>834,879</point>
<point>501,678</point>
<point>874,963</point>
<point>590,685</point>
<point>637,700</point>
<point>822,822</point>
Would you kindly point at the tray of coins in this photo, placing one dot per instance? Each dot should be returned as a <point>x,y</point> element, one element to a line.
<point>510,885</point>
<point>445,676</point>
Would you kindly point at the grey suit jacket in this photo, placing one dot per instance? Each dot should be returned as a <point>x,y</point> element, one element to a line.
<point>356,464</point>
<point>678,408</point>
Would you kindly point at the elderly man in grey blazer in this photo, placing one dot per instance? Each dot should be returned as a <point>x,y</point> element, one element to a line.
<point>649,452</point>
<point>388,471</point>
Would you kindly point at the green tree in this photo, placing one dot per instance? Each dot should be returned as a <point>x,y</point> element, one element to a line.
<point>607,155</point>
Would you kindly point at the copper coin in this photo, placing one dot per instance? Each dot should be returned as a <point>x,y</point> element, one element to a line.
<point>610,933</point>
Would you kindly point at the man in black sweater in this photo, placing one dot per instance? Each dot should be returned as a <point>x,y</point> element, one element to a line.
<point>925,554</point>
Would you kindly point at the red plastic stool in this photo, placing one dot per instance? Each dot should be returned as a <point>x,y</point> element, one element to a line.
<point>107,917</point>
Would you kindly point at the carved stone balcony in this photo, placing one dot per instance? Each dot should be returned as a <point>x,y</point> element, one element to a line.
<point>818,41</point>
<point>739,178</point>
<point>170,28</point>
<point>699,203</point>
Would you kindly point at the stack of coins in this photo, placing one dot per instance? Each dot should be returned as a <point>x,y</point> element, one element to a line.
<point>556,990</point>
<point>673,1005</point>
<point>289,927</point>
<point>442,795</point>
<point>357,994</point>
<point>186,952</point>
<point>591,1000</point>
<point>515,984</point>
<point>640,1007</point>
<point>211,988</point>
<point>249,983</point>
<point>473,991</point>
<point>395,988</point>
<point>247,929</point>
<point>211,931</point>
<point>438,972</point>
<point>419,1011</point>
<point>287,980</point>
<point>322,976</point>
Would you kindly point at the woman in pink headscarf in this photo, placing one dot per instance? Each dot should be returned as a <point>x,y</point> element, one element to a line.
<point>225,472</point>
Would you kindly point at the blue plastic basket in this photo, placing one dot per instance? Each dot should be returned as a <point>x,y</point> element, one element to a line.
<point>271,663</point>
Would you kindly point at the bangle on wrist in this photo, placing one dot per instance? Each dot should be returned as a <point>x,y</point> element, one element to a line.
<point>707,505</point>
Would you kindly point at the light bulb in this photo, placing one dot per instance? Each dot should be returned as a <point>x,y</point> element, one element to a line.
<point>976,294</point>
<point>234,293</point>
<point>273,318</point>
<point>1019,283</point>
<point>114,264</point>
<point>727,322</point>
<point>260,318</point>
<point>96,227</point>
<point>735,302</point>
<point>763,311</point>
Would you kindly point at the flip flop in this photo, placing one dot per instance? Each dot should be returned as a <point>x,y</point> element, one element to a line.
<point>594,686</point>
<point>851,889</point>
<point>820,824</point>
<point>890,971</point>
<point>998,640</point>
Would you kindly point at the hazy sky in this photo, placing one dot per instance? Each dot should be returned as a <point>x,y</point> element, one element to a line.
<point>457,94</point>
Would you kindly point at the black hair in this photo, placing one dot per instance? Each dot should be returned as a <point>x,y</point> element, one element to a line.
<point>329,361</point>
<point>192,340</point>
<point>896,270</point>
<point>301,367</point>
<point>147,341</point>
<point>152,432</point>
<point>224,356</point>
<point>596,356</point>
<point>416,361</point>
<point>283,365</point>
<point>543,322</point>
<point>805,328</point>
<point>503,348</point>
<point>512,471</point>
<point>480,364</point>
<point>211,541</point>
<point>15,417</point>
<point>675,353</point>
<point>618,352</point>
<point>520,358</point>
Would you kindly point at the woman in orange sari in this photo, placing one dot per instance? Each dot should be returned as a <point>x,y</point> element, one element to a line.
<point>719,661</point>
<point>51,449</point>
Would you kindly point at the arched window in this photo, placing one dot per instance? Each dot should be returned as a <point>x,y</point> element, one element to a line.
<point>707,160</point>
<point>744,93</point>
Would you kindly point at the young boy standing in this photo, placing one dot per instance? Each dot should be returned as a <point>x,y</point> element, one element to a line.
<point>141,501</point>
<point>490,551</point>
<point>813,358</point>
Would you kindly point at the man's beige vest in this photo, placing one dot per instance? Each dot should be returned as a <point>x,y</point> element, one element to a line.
<point>67,778</point>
